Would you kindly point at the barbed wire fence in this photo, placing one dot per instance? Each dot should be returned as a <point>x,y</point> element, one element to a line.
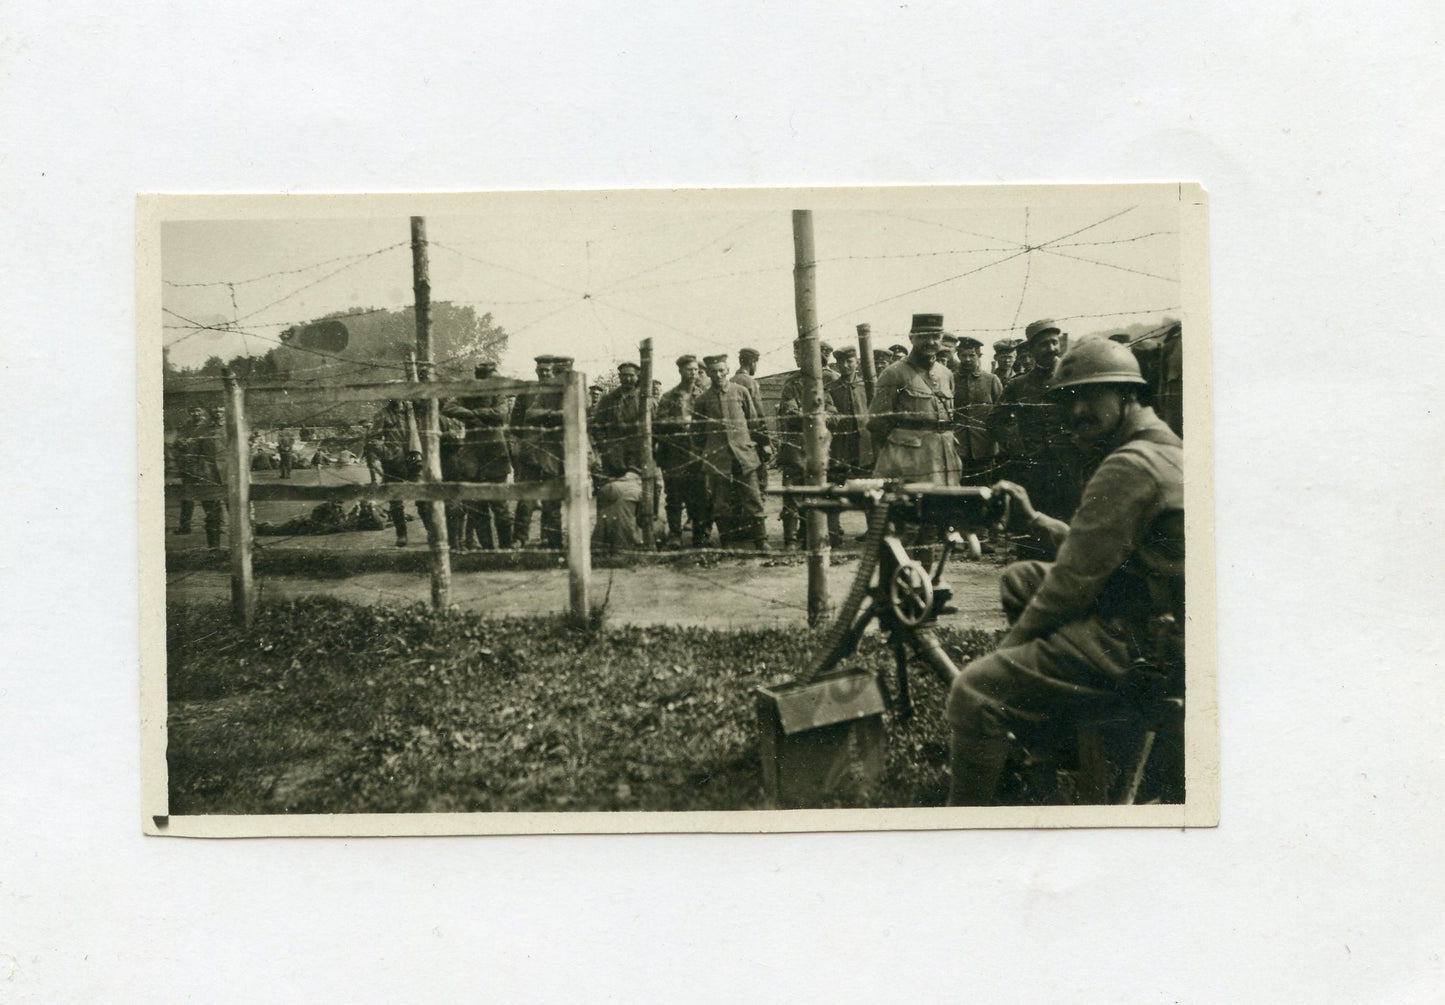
<point>602,302</point>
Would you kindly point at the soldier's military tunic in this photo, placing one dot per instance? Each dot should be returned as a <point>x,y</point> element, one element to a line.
<point>1040,454</point>
<point>1120,564</point>
<point>911,422</point>
<point>727,432</point>
<point>617,421</point>
<point>850,454</point>
<point>973,400</point>
<point>792,456</point>
<point>388,441</point>
<point>199,453</point>
<point>537,456</point>
<point>683,480</point>
<point>483,457</point>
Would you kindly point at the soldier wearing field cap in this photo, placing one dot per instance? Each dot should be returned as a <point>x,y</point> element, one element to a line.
<point>537,424</point>
<point>1003,360</point>
<point>683,480</point>
<point>792,456</point>
<point>1078,624</point>
<point>482,457</point>
<point>733,442</point>
<point>975,392</point>
<point>911,417</point>
<point>897,351</point>
<point>618,423</point>
<point>1030,430</point>
<point>850,454</point>
<point>948,355</point>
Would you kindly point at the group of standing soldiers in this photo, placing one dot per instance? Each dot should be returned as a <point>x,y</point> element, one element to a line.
<point>489,437</point>
<point>935,415</point>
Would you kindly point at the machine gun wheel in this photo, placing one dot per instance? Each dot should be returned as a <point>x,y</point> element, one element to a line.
<point>910,594</point>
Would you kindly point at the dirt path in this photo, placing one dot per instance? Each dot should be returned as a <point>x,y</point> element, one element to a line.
<point>731,594</point>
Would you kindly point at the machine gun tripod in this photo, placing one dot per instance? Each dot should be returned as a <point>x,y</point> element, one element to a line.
<point>817,725</point>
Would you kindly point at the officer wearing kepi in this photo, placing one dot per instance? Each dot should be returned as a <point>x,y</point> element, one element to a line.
<point>911,417</point>
<point>1077,623</point>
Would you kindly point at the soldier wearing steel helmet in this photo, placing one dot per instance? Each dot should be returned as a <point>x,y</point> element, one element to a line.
<point>1076,622</point>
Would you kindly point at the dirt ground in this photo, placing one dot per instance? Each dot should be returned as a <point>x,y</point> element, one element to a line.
<point>716,591</point>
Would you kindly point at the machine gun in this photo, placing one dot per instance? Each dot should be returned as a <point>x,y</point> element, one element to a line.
<point>815,726</point>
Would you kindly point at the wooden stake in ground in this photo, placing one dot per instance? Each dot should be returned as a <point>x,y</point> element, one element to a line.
<point>815,428</point>
<point>865,360</point>
<point>238,501</point>
<point>574,471</point>
<point>649,469</point>
<point>441,563</point>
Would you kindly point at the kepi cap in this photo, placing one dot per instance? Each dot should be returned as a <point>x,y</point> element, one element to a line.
<point>926,323</point>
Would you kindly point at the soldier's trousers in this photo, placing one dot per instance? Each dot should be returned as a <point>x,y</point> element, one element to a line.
<point>551,511</point>
<point>397,471</point>
<point>736,503</point>
<point>482,516</point>
<point>286,462</point>
<point>1029,690</point>
<point>685,490</point>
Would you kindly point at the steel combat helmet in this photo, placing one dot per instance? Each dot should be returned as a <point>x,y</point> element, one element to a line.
<point>1096,361</point>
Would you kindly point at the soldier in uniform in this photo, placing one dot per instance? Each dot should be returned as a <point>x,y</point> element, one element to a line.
<point>850,454</point>
<point>733,441</point>
<point>483,457</point>
<point>882,360</point>
<point>948,355</point>
<point>537,425</point>
<point>683,480</point>
<point>898,352</point>
<point>390,442</point>
<point>1003,360</point>
<point>1076,623</point>
<point>1030,429</point>
<point>187,458</point>
<point>911,417</point>
<point>792,456</point>
<point>975,393</point>
<point>618,422</point>
<point>286,449</point>
<point>747,376</point>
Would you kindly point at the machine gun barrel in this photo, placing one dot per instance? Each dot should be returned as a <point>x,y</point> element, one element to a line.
<point>864,493</point>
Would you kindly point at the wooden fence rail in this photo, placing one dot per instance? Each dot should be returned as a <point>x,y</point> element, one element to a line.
<point>238,492</point>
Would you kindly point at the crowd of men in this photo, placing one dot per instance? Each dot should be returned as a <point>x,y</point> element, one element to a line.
<point>935,415</point>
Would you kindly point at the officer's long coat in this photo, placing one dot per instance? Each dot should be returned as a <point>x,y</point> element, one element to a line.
<point>911,421</point>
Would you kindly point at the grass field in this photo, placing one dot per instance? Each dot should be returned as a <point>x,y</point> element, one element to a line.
<point>329,707</point>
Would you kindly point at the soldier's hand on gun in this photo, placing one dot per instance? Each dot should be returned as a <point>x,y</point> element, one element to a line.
<point>1017,497</point>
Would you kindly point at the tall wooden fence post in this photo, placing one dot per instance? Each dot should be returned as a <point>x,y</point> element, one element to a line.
<point>815,428</point>
<point>574,471</point>
<point>649,469</point>
<point>865,361</point>
<point>238,501</point>
<point>441,560</point>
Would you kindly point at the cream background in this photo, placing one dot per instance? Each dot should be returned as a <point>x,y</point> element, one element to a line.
<point>1316,130</point>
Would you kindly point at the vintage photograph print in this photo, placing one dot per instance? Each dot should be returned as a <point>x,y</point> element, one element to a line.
<point>658,510</point>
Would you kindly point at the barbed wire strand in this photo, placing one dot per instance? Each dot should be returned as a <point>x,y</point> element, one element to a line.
<point>271,275</point>
<point>1110,265</point>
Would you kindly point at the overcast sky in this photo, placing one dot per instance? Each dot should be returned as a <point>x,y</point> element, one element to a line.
<point>591,274</point>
